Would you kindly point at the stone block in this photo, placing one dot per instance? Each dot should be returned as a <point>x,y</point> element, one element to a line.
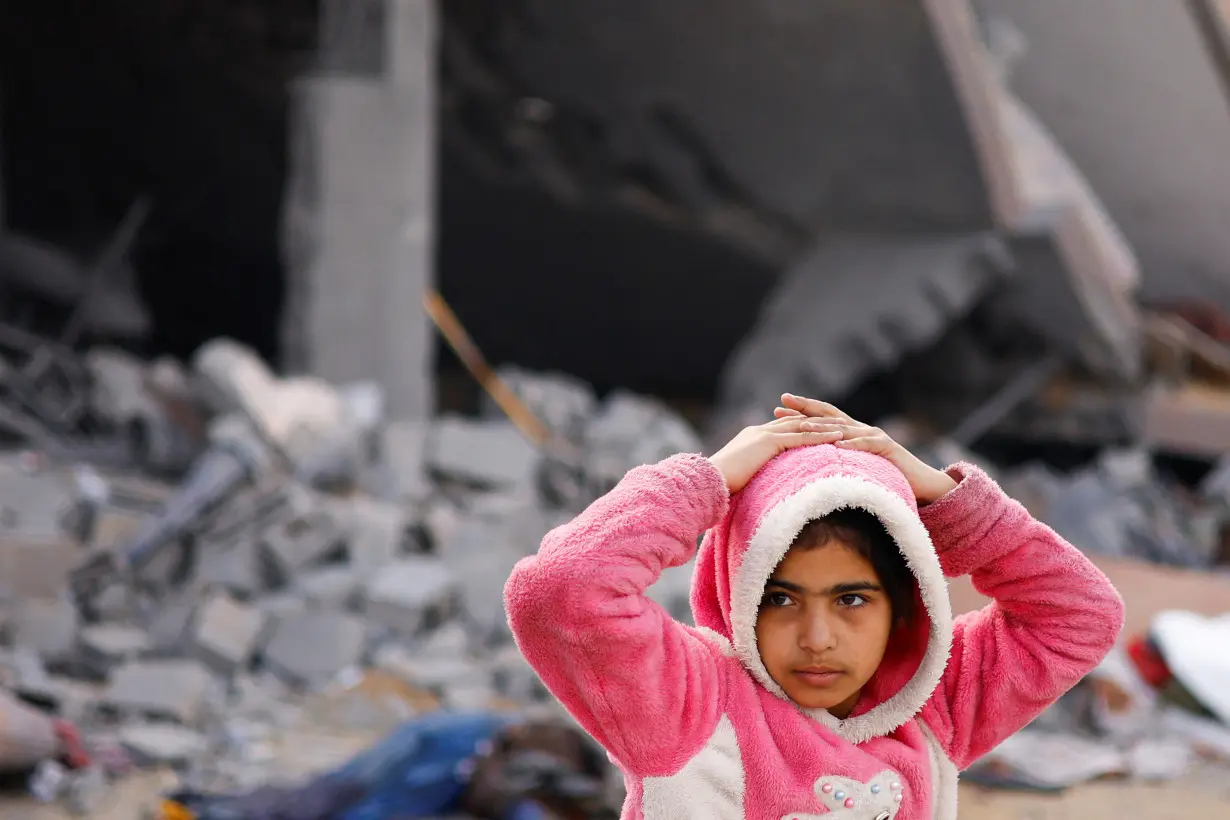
<point>225,633</point>
<point>293,545</point>
<point>377,533</point>
<point>235,567</point>
<point>174,689</point>
<point>485,453</point>
<point>310,649</point>
<point>403,451</point>
<point>162,744</point>
<point>330,587</point>
<point>412,594</point>
<point>47,626</point>
<point>114,643</point>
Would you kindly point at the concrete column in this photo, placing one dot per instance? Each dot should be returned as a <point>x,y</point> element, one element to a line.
<point>359,220</point>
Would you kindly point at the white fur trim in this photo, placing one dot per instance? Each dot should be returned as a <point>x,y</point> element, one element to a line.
<point>943,778</point>
<point>768,547</point>
<point>717,639</point>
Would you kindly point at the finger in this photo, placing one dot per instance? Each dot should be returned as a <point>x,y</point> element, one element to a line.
<point>783,412</point>
<point>830,424</point>
<point>787,423</point>
<point>811,407</point>
<point>788,441</point>
<point>877,444</point>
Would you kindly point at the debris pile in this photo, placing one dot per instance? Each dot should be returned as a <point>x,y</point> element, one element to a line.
<point>1153,710</point>
<point>315,562</point>
<point>224,573</point>
<point>1120,506</point>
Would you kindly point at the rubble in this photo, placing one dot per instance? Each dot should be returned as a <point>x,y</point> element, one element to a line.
<point>197,623</point>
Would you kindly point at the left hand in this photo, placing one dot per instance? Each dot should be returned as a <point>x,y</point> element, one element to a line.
<point>928,483</point>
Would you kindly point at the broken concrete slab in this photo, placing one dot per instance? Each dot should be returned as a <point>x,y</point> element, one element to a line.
<point>310,649</point>
<point>628,430</point>
<point>114,643</point>
<point>293,545</point>
<point>167,624</point>
<point>432,672</point>
<point>485,453</point>
<point>46,626</point>
<point>1190,420</point>
<point>483,553</point>
<point>225,633</point>
<point>36,567</point>
<point>334,587</point>
<point>1127,124</point>
<point>163,744</point>
<point>279,605</point>
<point>851,307</point>
<point>563,403</point>
<point>235,567</point>
<point>174,689</point>
<point>36,501</point>
<point>414,593</point>
<point>376,532</point>
<point>402,473</point>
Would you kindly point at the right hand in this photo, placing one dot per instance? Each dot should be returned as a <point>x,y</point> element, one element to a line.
<point>756,446</point>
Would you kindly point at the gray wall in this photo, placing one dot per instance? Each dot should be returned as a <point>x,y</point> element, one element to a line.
<point>1129,92</point>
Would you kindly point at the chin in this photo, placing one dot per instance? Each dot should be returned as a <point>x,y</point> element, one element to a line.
<point>818,700</point>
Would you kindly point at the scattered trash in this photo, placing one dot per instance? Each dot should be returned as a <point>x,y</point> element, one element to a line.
<point>492,766</point>
<point>1150,711</point>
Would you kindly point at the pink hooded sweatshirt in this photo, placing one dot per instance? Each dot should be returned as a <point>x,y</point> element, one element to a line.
<point>690,714</point>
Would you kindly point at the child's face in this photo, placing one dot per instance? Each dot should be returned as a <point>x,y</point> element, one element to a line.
<point>823,626</point>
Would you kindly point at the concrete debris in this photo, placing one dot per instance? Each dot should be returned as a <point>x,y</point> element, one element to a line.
<point>489,454</point>
<point>310,649</point>
<point>163,743</point>
<point>225,633</point>
<point>1120,506</point>
<point>166,689</point>
<point>194,624</point>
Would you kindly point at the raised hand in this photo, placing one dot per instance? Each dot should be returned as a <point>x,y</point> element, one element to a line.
<point>755,446</point>
<point>928,483</point>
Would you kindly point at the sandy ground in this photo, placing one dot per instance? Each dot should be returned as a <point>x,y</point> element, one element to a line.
<point>1194,797</point>
<point>1206,795</point>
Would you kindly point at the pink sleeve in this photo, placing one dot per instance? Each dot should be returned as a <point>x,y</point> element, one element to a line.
<point>1053,616</point>
<point>645,686</point>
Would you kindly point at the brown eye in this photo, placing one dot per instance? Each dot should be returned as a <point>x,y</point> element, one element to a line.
<point>852,601</point>
<point>777,599</point>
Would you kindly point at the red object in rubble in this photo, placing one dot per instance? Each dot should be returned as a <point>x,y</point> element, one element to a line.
<point>73,748</point>
<point>1148,662</point>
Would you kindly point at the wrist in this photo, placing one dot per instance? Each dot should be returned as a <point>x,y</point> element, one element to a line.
<point>935,485</point>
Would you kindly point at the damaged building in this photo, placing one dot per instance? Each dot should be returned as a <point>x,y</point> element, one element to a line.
<point>817,195</point>
<point>255,258</point>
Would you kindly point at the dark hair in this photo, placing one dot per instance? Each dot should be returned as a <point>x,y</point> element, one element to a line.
<point>866,535</point>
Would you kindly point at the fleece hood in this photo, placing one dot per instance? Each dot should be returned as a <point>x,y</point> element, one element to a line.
<point>738,555</point>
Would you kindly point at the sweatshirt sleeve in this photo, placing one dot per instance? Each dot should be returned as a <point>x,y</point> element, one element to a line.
<point>1052,618</point>
<point>645,686</point>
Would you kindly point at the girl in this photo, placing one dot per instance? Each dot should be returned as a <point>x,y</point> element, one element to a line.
<point>825,673</point>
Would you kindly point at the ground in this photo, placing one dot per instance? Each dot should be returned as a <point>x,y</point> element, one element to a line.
<point>1203,795</point>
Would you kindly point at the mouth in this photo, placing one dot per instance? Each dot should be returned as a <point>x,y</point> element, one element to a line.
<point>819,677</point>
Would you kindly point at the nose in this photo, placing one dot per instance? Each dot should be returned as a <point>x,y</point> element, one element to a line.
<point>817,634</point>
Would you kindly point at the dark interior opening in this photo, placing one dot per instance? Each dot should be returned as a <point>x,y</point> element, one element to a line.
<point>186,103</point>
<point>107,101</point>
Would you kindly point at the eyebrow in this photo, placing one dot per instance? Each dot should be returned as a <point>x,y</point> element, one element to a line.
<point>847,588</point>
